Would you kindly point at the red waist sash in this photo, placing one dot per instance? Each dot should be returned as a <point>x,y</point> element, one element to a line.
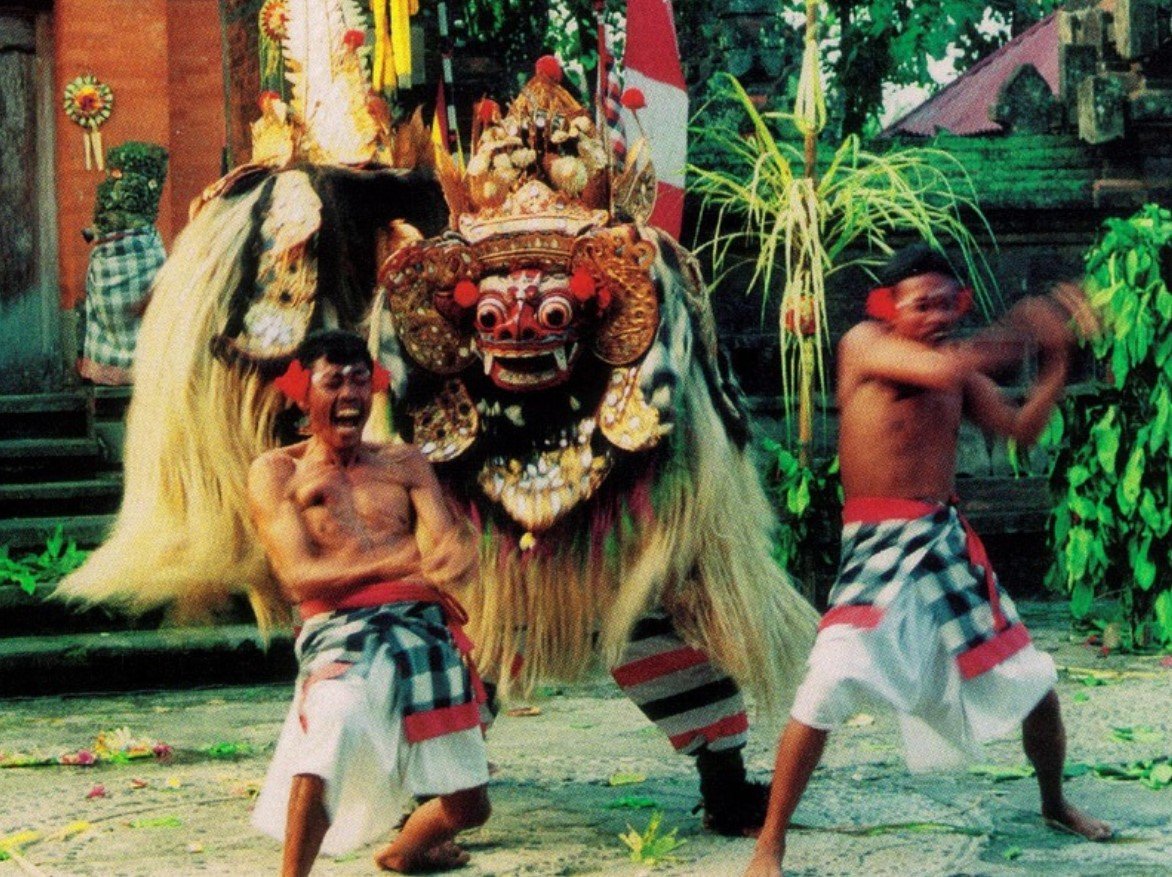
<point>874,509</point>
<point>381,593</point>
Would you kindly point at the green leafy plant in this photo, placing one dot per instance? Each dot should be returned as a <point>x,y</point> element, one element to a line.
<point>653,846</point>
<point>810,501</point>
<point>59,558</point>
<point>1112,525</point>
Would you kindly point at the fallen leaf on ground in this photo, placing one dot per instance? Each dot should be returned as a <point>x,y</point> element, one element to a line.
<point>626,779</point>
<point>73,828</point>
<point>157,822</point>
<point>1137,734</point>
<point>999,773</point>
<point>98,791</point>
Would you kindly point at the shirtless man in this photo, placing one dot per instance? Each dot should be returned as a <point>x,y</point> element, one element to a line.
<point>386,707</point>
<point>917,620</point>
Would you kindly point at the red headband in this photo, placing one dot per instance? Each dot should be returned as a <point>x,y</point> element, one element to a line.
<point>294,383</point>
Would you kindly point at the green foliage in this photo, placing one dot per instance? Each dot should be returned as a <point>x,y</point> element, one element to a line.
<point>59,558</point>
<point>653,846</point>
<point>885,42</point>
<point>229,751</point>
<point>1112,527</point>
<point>810,501</point>
<point>520,31</point>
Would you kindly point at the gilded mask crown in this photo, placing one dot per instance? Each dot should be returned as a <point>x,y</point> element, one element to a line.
<point>536,193</point>
<point>543,166</point>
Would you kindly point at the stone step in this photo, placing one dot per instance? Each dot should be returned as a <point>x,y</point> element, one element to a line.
<point>110,403</point>
<point>43,448</point>
<point>1006,505</point>
<point>26,460</point>
<point>32,532</point>
<point>44,415</point>
<point>101,494</point>
<point>139,659</point>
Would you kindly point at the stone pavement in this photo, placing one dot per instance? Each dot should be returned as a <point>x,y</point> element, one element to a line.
<point>556,810</point>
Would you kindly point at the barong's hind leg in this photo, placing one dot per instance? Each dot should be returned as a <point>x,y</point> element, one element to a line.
<point>702,712</point>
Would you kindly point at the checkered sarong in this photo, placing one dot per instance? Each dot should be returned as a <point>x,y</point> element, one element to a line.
<point>435,690</point>
<point>121,270</point>
<point>888,545</point>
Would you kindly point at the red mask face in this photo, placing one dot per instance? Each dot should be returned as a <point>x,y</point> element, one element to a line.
<point>528,325</point>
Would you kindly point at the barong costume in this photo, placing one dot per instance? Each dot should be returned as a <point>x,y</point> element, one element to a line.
<point>603,451</point>
<point>918,622</point>
<point>386,709</point>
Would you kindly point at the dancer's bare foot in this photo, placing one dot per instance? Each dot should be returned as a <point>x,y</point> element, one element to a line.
<point>1068,818</point>
<point>446,856</point>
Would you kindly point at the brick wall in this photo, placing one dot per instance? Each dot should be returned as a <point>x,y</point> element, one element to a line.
<point>197,101</point>
<point>161,58</point>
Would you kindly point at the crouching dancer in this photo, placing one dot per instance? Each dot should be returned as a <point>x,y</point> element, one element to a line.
<point>917,619</point>
<point>386,707</point>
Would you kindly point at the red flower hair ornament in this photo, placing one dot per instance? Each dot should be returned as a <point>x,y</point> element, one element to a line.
<point>380,378</point>
<point>294,383</point>
<point>881,303</point>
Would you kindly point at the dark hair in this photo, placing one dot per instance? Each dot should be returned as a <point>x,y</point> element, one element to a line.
<point>914,260</point>
<point>338,347</point>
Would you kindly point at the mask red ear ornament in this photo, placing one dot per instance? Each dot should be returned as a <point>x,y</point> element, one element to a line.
<point>380,378</point>
<point>294,383</point>
<point>466,294</point>
<point>881,303</point>
<point>964,300</point>
<point>582,285</point>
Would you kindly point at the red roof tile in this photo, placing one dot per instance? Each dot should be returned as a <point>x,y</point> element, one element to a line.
<point>963,106</point>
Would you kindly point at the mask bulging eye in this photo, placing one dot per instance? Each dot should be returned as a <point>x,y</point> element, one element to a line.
<point>490,313</point>
<point>555,312</point>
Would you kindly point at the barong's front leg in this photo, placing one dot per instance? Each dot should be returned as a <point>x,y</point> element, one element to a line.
<point>676,686</point>
<point>702,711</point>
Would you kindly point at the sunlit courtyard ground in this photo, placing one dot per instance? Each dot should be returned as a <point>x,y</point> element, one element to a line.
<point>582,767</point>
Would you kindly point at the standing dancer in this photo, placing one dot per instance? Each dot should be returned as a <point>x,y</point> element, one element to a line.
<point>918,620</point>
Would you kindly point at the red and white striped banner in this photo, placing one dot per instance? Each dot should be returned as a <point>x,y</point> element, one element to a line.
<point>651,63</point>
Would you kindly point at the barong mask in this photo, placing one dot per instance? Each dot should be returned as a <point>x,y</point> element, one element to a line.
<point>540,290</point>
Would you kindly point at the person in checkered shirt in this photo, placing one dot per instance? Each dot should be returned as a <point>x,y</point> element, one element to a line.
<point>917,620</point>
<point>128,253</point>
<point>387,707</point>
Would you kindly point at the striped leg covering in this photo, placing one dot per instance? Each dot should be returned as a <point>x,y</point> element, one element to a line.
<point>680,690</point>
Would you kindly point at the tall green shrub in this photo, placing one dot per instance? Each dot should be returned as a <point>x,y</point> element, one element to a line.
<point>1112,527</point>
